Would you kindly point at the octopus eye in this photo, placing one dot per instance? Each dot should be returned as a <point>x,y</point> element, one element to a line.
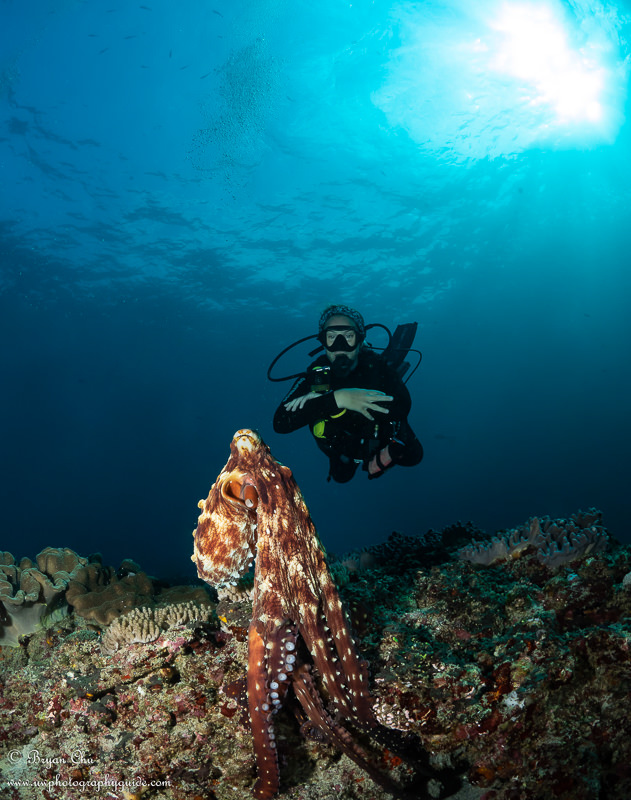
<point>245,492</point>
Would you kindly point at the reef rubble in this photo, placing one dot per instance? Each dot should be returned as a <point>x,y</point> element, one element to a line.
<point>514,675</point>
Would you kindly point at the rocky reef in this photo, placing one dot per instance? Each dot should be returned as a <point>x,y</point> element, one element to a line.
<point>514,675</point>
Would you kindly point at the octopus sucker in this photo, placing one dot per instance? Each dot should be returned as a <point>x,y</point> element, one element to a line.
<point>255,508</point>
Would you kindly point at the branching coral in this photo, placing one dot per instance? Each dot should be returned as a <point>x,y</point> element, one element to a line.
<point>555,541</point>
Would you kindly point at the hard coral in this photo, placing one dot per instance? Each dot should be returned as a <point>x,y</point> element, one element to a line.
<point>556,541</point>
<point>146,624</point>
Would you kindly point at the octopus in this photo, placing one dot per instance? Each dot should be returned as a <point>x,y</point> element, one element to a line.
<point>298,636</point>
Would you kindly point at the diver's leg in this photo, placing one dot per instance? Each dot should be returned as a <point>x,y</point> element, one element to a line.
<point>341,468</point>
<point>404,449</point>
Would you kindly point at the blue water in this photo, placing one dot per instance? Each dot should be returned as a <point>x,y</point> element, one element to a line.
<point>184,188</point>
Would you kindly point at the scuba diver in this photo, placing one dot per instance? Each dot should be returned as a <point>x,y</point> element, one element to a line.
<point>353,399</point>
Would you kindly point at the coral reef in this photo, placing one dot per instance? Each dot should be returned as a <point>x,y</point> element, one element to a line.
<point>60,580</point>
<point>556,541</point>
<point>515,677</point>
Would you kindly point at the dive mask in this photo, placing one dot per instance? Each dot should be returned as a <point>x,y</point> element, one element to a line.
<point>339,338</point>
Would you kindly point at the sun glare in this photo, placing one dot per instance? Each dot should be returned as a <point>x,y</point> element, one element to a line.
<point>492,78</point>
<point>534,50</point>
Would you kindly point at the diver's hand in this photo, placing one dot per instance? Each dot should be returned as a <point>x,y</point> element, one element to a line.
<point>298,402</point>
<point>362,400</point>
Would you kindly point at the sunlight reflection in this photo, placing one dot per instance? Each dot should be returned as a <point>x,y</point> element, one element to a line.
<point>535,49</point>
<point>494,78</point>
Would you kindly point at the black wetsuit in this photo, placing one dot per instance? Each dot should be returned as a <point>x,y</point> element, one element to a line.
<point>347,437</point>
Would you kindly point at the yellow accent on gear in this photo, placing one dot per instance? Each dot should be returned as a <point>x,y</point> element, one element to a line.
<point>318,429</point>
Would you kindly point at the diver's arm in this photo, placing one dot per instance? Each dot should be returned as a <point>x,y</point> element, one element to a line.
<point>291,415</point>
<point>364,401</point>
<point>299,410</point>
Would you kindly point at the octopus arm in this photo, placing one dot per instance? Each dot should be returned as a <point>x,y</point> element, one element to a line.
<point>345,674</point>
<point>309,698</point>
<point>281,660</point>
<point>267,782</point>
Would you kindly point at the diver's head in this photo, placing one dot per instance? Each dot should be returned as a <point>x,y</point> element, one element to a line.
<point>341,332</point>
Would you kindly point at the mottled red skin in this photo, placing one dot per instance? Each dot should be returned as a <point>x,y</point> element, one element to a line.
<point>294,595</point>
